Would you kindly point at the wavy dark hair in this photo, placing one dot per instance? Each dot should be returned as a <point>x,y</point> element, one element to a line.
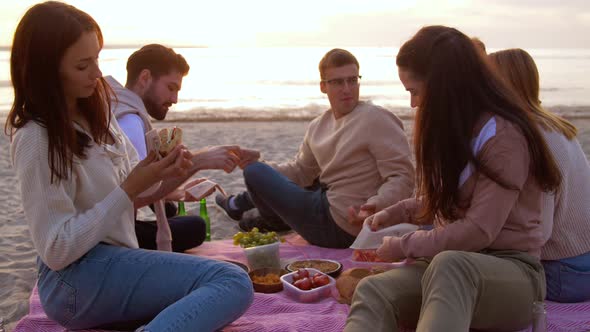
<point>459,88</point>
<point>41,39</point>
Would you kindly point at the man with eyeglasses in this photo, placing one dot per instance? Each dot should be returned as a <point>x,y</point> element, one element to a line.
<point>154,77</point>
<point>354,161</point>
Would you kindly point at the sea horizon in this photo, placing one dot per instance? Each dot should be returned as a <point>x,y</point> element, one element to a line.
<point>282,83</point>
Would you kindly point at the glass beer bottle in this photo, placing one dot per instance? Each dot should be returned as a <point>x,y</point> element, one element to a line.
<point>181,209</point>
<point>205,216</point>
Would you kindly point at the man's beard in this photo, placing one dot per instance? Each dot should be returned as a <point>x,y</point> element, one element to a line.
<point>154,109</point>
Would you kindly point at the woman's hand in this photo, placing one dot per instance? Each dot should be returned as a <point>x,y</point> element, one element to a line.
<point>150,170</point>
<point>382,219</point>
<point>390,249</point>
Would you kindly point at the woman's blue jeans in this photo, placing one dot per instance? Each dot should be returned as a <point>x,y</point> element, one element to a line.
<point>119,288</point>
<point>568,280</point>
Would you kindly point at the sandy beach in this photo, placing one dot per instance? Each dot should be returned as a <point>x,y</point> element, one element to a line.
<point>276,140</point>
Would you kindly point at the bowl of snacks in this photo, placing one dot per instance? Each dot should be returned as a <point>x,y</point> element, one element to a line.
<point>308,285</point>
<point>327,266</point>
<point>267,280</point>
<point>261,249</point>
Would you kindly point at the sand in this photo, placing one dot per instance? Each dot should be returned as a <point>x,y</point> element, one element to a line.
<point>277,141</point>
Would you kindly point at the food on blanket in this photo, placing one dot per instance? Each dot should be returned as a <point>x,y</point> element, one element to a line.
<point>254,238</point>
<point>329,267</point>
<point>169,139</point>
<point>316,286</point>
<point>319,280</point>
<point>267,280</point>
<point>307,281</point>
<point>300,274</point>
<point>349,279</point>
<point>365,255</point>
<point>303,284</point>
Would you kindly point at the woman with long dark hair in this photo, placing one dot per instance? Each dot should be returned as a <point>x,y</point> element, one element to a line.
<point>482,167</point>
<point>566,254</point>
<point>80,183</point>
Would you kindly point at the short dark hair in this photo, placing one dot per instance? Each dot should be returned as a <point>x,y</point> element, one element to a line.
<point>337,57</point>
<point>158,59</point>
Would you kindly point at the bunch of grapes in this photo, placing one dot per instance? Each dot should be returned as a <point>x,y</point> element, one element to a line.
<point>254,238</point>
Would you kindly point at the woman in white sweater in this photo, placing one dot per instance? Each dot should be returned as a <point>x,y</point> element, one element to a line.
<point>80,183</point>
<point>566,223</point>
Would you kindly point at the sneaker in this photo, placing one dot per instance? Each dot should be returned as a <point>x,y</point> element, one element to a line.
<point>264,224</point>
<point>223,204</point>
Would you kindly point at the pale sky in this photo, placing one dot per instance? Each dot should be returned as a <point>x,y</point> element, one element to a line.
<point>329,23</point>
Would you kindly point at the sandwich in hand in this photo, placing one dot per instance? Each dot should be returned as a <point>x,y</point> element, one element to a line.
<point>164,140</point>
<point>169,139</point>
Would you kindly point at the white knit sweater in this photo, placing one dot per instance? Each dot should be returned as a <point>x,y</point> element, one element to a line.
<point>566,215</point>
<point>69,218</point>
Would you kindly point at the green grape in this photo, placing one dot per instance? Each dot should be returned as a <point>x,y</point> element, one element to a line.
<point>254,238</point>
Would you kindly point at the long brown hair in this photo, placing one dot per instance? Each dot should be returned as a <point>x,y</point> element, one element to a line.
<point>519,70</point>
<point>42,37</point>
<point>459,88</point>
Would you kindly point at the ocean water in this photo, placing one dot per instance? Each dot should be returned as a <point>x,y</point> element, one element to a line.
<point>283,83</point>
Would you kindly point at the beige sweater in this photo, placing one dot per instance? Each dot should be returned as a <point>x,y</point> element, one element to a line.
<point>363,157</point>
<point>495,217</point>
<point>69,218</point>
<point>567,214</point>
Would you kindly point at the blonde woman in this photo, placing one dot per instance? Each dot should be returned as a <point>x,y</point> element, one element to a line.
<point>566,255</point>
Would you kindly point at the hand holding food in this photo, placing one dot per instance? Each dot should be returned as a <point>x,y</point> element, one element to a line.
<point>390,250</point>
<point>163,141</point>
<point>150,171</point>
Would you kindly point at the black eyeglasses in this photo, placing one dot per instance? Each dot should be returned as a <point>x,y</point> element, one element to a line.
<point>339,82</point>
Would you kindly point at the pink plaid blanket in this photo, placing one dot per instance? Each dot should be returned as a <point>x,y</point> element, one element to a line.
<point>279,313</point>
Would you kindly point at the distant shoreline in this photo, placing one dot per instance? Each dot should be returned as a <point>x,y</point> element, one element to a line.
<point>179,117</point>
<point>567,112</point>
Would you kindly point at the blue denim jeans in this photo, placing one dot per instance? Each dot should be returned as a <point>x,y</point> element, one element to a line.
<point>118,288</point>
<point>306,211</point>
<point>568,280</point>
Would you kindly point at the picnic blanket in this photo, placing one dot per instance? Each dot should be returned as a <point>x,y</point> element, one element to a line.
<point>279,313</point>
